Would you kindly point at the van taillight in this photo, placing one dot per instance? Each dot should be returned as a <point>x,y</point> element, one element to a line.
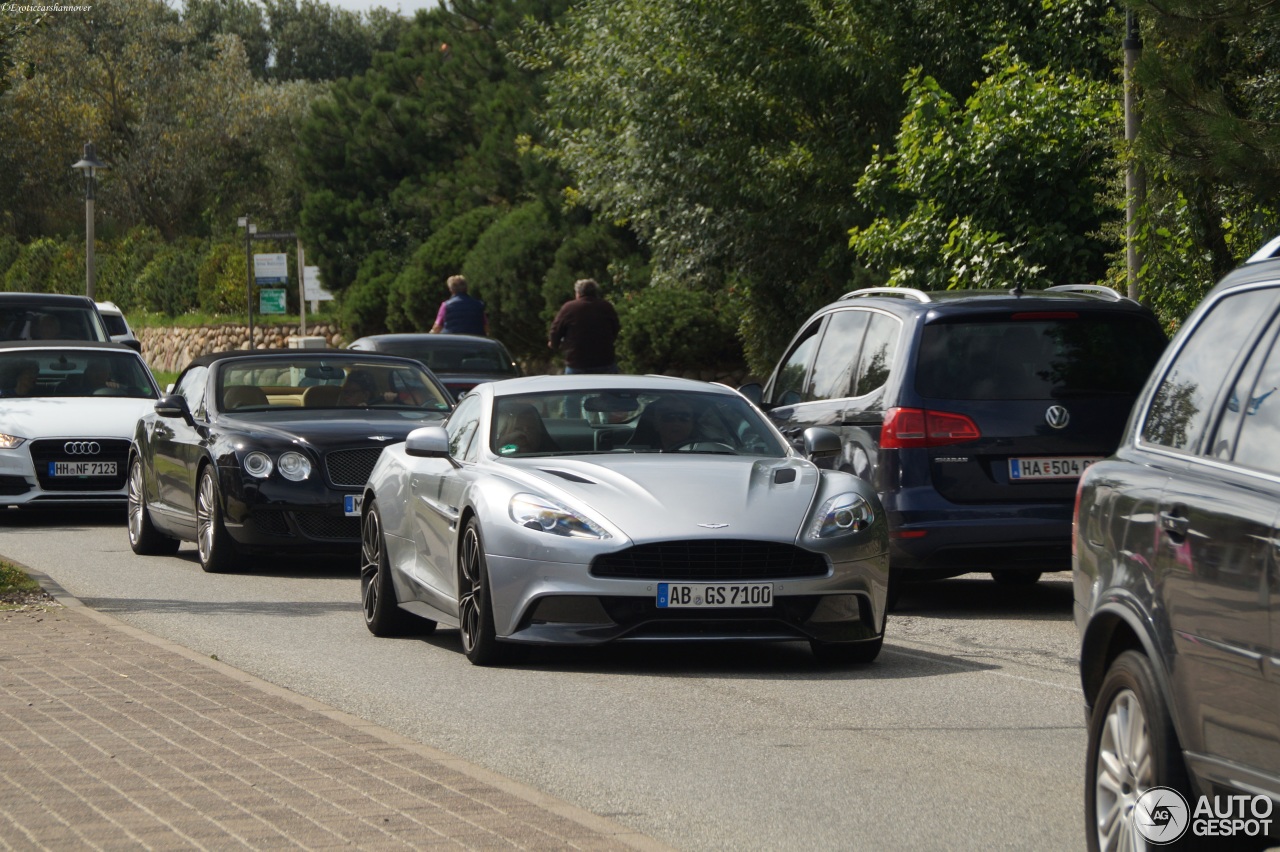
<point>918,427</point>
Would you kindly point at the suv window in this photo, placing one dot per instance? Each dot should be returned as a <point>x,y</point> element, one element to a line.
<point>1182,405</point>
<point>833,366</point>
<point>1044,356</point>
<point>876,360</point>
<point>789,385</point>
<point>1259,414</point>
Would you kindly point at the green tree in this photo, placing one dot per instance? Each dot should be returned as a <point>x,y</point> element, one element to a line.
<point>1209,85</point>
<point>416,294</point>
<point>1001,191</point>
<point>506,269</point>
<point>427,134</point>
<point>728,133</point>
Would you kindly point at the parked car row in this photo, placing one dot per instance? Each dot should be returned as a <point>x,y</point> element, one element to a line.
<point>904,435</point>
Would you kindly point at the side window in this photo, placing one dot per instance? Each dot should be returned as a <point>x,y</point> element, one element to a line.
<point>191,387</point>
<point>462,427</point>
<point>1182,406</point>
<point>1259,412</point>
<point>876,360</point>
<point>788,384</point>
<point>832,376</point>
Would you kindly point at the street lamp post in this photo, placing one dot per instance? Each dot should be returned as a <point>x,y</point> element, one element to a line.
<point>90,165</point>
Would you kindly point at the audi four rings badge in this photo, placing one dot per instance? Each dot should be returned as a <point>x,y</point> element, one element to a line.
<point>82,448</point>
<point>1057,416</point>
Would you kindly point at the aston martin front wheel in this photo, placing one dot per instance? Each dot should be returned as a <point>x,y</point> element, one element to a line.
<point>217,550</point>
<point>475,604</point>
<point>382,613</point>
<point>144,538</point>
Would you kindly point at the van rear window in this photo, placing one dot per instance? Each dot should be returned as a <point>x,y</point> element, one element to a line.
<point>1037,358</point>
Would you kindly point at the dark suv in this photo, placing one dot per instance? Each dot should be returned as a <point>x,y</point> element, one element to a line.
<point>50,316</point>
<point>1177,579</point>
<point>972,413</point>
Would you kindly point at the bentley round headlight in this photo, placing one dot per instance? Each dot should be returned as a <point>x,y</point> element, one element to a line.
<point>294,466</point>
<point>258,464</point>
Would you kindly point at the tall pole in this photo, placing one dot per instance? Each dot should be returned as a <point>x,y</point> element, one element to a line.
<point>89,164</point>
<point>1135,183</point>
<point>248,266</point>
<point>89,270</point>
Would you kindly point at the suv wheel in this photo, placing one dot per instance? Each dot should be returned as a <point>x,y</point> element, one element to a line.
<point>1132,747</point>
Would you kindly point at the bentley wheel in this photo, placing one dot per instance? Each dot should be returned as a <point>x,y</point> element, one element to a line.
<point>144,538</point>
<point>475,606</point>
<point>1132,747</point>
<point>217,550</point>
<point>382,614</point>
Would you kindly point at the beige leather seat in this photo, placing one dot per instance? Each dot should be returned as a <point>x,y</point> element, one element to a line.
<point>243,396</point>
<point>321,396</point>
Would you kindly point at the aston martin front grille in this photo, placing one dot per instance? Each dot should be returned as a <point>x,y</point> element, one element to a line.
<point>710,560</point>
<point>351,468</point>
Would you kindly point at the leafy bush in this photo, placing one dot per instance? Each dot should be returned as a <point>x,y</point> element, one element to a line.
<point>418,289</point>
<point>667,330</point>
<point>121,264</point>
<point>598,250</point>
<point>363,305</point>
<point>170,282</point>
<point>47,265</point>
<point>222,279</point>
<point>506,269</point>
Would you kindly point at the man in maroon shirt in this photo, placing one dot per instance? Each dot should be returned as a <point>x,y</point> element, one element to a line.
<point>585,328</point>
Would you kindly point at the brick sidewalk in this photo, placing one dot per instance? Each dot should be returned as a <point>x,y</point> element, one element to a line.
<point>111,738</point>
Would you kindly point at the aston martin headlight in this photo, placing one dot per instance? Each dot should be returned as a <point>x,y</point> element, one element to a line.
<point>843,514</point>
<point>539,513</point>
<point>10,442</point>
<point>258,464</point>
<point>294,466</point>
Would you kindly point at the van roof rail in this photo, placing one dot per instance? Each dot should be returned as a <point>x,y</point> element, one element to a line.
<point>1096,289</point>
<point>900,292</point>
<point>1270,250</point>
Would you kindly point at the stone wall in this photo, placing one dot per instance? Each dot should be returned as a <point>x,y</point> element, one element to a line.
<point>170,349</point>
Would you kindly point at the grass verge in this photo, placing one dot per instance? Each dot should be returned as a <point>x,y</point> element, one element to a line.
<point>17,590</point>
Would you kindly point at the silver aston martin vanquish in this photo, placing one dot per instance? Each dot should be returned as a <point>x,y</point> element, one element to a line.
<point>590,509</point>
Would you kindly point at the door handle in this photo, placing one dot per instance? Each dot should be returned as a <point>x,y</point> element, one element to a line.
<point>1174,524</point>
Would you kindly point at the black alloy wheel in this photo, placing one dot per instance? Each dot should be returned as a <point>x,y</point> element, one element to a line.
<point>382,614</point>
<point>144,538</point>
<point>475,607</point>
<point>217,550</point>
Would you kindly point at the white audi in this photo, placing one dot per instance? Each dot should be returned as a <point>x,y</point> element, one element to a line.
<point>67,415</point>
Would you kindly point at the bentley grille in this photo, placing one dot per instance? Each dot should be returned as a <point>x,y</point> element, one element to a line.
<point>710,560</point>
<point>351,468</point>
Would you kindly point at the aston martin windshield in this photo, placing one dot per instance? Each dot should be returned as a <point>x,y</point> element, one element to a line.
<point>629,421</point>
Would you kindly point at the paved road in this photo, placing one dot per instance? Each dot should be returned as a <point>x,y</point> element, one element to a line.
<point>966,734</point>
